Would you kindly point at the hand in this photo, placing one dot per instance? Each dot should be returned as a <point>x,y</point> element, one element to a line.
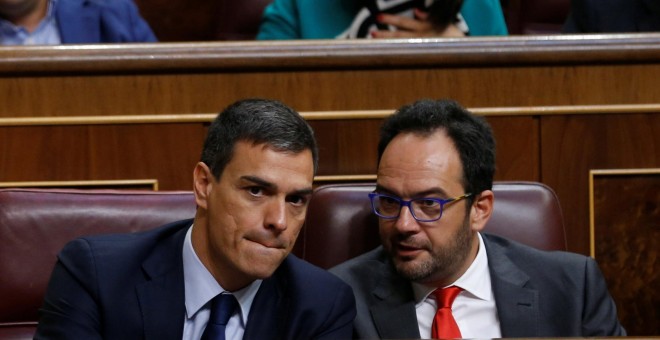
<point>418,27</point>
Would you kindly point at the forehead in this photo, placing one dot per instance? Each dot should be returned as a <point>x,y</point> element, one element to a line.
<point>284,168</point>
<point>414,163</point>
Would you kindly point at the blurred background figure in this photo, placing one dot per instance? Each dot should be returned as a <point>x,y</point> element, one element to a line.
<point>600,16</point>
<point>400,19</point>
<point>327,19</point>
<point>50,22</point>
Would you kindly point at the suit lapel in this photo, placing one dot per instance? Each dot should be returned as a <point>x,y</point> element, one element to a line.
<point>78,22</point>
<point>269,310</point>
<point>162,296</point>
<point>393,307</point>
<point>517,305</point>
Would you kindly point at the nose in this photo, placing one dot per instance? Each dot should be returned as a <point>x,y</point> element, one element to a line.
<point>406,223</point>
<point>275,217</point>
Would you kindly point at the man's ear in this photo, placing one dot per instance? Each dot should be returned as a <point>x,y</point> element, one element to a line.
<point>481,210</point>
<point>202,182</point>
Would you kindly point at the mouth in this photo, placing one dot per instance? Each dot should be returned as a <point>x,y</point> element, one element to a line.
<point>270,244</point>
<point>407,250</point>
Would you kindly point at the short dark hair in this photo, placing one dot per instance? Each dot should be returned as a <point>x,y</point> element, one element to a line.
<point>472,137</point>
<point>260,121</point>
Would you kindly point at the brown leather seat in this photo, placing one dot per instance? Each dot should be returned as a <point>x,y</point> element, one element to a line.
<point>36,223</point>
<point>240,19</point>
<point>536,16</point>
<point>205,20</point>
<point>340,224</point>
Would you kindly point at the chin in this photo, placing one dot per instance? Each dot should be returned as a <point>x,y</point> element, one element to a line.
<point>414,270</point>
<point>262,267</point>
<point>261,272</point>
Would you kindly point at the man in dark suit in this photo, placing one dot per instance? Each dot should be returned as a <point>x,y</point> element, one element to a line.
<point>252,189</point>
<point>436,274</point>
<point>48,22</point>
<point>603,16</point>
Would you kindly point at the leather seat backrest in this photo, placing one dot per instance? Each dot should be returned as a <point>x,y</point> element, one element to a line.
<point>36,223</point>
<point>340,224</point>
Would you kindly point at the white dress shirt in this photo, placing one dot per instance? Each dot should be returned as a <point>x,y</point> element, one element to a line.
<point>474,309</point>
<point>201,287</point>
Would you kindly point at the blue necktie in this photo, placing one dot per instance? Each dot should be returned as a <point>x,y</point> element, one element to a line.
<point>222,307</point>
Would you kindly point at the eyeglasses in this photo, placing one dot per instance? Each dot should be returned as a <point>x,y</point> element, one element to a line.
<point>422,209</point>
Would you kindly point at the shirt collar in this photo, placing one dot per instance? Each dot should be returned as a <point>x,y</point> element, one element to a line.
<point>45,33</point>
<point>201,286</point>
<point>50,10</point>
<point>475,281</point>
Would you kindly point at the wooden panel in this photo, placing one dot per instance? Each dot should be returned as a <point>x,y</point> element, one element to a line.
<point>347,146</point>
<point>626,228</point>
<point>128,184</point>
<point>168,152</point>
<point>571,145</point>
<point>335,55</point>
<point>350,147</point>
<point>327,90</point>
<point>517,154</point>
<point>189,78</point>
<point>165,152</point>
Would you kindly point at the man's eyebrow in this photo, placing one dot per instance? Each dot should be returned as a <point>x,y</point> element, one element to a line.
<point>261,182</point>
<point>273,187</point>
<point>303,192</point>
<point>432,191</point>
<point>381,189</point>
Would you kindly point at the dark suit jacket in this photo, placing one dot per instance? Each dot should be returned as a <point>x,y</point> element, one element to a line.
<point>537,294</point>
<point>603,16</point>
<point>131,286</point>
<point>101,21</point>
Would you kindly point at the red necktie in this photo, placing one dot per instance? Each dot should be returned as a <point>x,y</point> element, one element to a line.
<point>444,325</point>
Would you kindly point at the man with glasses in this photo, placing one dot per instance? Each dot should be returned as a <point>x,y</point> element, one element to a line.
<point>436,275</point>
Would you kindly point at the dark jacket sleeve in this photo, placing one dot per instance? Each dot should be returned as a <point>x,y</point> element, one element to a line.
<point>320,306</point>
<point>599,317</point>
<point>342,314</point>
<point>70,310</point>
